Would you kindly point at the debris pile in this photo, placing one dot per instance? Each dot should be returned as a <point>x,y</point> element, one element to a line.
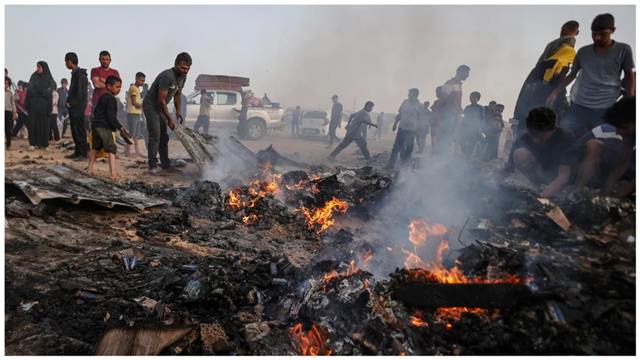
<point>281,265</point>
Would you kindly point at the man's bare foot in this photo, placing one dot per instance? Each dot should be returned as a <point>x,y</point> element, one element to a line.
<point>90,173</point>
<point>114,177</point>
<point>140,155</point>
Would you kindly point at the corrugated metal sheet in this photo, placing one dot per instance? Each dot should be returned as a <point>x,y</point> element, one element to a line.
<point>65,183</point>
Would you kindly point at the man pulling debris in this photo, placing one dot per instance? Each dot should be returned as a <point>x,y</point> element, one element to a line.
<point>167,85</point>
<point>536,154</point>
<point>355,132</point>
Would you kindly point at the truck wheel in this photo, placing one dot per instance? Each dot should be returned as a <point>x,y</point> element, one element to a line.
<point>255,129</point>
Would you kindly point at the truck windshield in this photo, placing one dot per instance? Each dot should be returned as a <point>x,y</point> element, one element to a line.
<point>226,98</point>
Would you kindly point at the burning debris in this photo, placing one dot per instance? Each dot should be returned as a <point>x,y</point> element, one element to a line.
<point>284,265</point>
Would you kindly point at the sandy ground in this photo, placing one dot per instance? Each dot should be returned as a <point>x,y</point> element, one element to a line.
<point>312,151</point>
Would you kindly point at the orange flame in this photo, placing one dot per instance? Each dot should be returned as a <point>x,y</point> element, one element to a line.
<point>310,343</point>
<point>333,274</point>
<point>323,217</point>
<point>417,321</point>
<point>434,271</point>
<point>420,230</point>
<point>249,219</point>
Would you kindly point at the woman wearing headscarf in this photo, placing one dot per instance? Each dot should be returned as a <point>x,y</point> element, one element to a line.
<point>39,105</point>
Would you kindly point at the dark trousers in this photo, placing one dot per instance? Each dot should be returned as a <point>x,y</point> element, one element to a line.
<point>491,147</point>
<point>295,128</point>
<point>22,121</point>
<point>360,141</point>
<point>158,137</point>
<point>581,119</point>
<point>403,146</point>
<point>79,134</point>
<point>54,133</point>
<point>65,123</point>
<point>202,122</point>
<point>8,126</point>
<point>469,141</point>
<point>332,133</point>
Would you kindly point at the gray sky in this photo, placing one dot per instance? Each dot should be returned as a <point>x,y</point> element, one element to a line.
<point>304,54</point>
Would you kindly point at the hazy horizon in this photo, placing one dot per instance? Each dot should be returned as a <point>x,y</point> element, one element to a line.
<point>304,54</point>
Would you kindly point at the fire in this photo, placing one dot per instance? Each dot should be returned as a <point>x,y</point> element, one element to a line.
<point>300,185</point>
<point>310,343</point>
<point>417,321</point>
<point>323,217</point>
<point>256,190</point>
<point>250,219</point>
<point>235,201</point>
<point>433,271</point>
<point>366,256</point>
<point>333,274</point>
<point>420,230</point>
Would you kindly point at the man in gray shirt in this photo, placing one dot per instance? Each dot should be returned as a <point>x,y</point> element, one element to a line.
<point>355,129</point>
<point>167,85</point>
<point>598,86</point>
<point>407,124</point>
<point>336,119</point>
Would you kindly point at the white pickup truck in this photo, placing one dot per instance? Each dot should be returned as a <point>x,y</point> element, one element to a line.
<point>226,109</point>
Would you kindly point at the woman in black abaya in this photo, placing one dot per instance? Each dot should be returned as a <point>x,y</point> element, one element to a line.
<point>39,105</point>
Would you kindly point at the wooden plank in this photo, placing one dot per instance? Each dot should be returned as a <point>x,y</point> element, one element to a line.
<point>434,295</point>
<point>131,341</point>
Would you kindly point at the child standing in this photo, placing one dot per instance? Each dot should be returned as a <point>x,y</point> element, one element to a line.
<point>104,123</point>
<point>10,113</point>
<point>54,133</point>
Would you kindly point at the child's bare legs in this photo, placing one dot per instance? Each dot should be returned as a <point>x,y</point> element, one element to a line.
<point>112,166</point>
<point>137,147</point>
<point>92,160</point>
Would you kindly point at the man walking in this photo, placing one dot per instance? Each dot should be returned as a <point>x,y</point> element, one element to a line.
<point>379,124</point>
<point>407,124</point>
<point>167,85</point>
<point>336,119</point>
<point>355,132</point>
<point>296,118</point>
<point>76,103</point>
<point>597,68</point>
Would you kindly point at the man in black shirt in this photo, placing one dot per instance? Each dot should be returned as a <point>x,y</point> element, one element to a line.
<point>167,85</point>
<point>537,153</point>
<point>76,103</point>
<point>104,123</point>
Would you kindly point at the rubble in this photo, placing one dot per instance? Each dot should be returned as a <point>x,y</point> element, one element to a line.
<point>194,277</point>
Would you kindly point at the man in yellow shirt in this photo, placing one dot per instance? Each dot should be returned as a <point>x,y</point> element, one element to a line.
<point>135,123</point>
<point>204,117</point>
<point>550,69</point>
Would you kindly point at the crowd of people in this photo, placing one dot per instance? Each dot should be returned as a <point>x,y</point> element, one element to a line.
<point>589,141</point>
<point>90,109</point>
<point>554,143</point>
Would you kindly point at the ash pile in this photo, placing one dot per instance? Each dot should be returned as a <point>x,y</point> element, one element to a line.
<point>317,262</point>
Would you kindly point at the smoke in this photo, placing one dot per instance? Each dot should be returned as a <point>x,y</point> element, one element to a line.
<point>229,167</point>
<point>443,190</point>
